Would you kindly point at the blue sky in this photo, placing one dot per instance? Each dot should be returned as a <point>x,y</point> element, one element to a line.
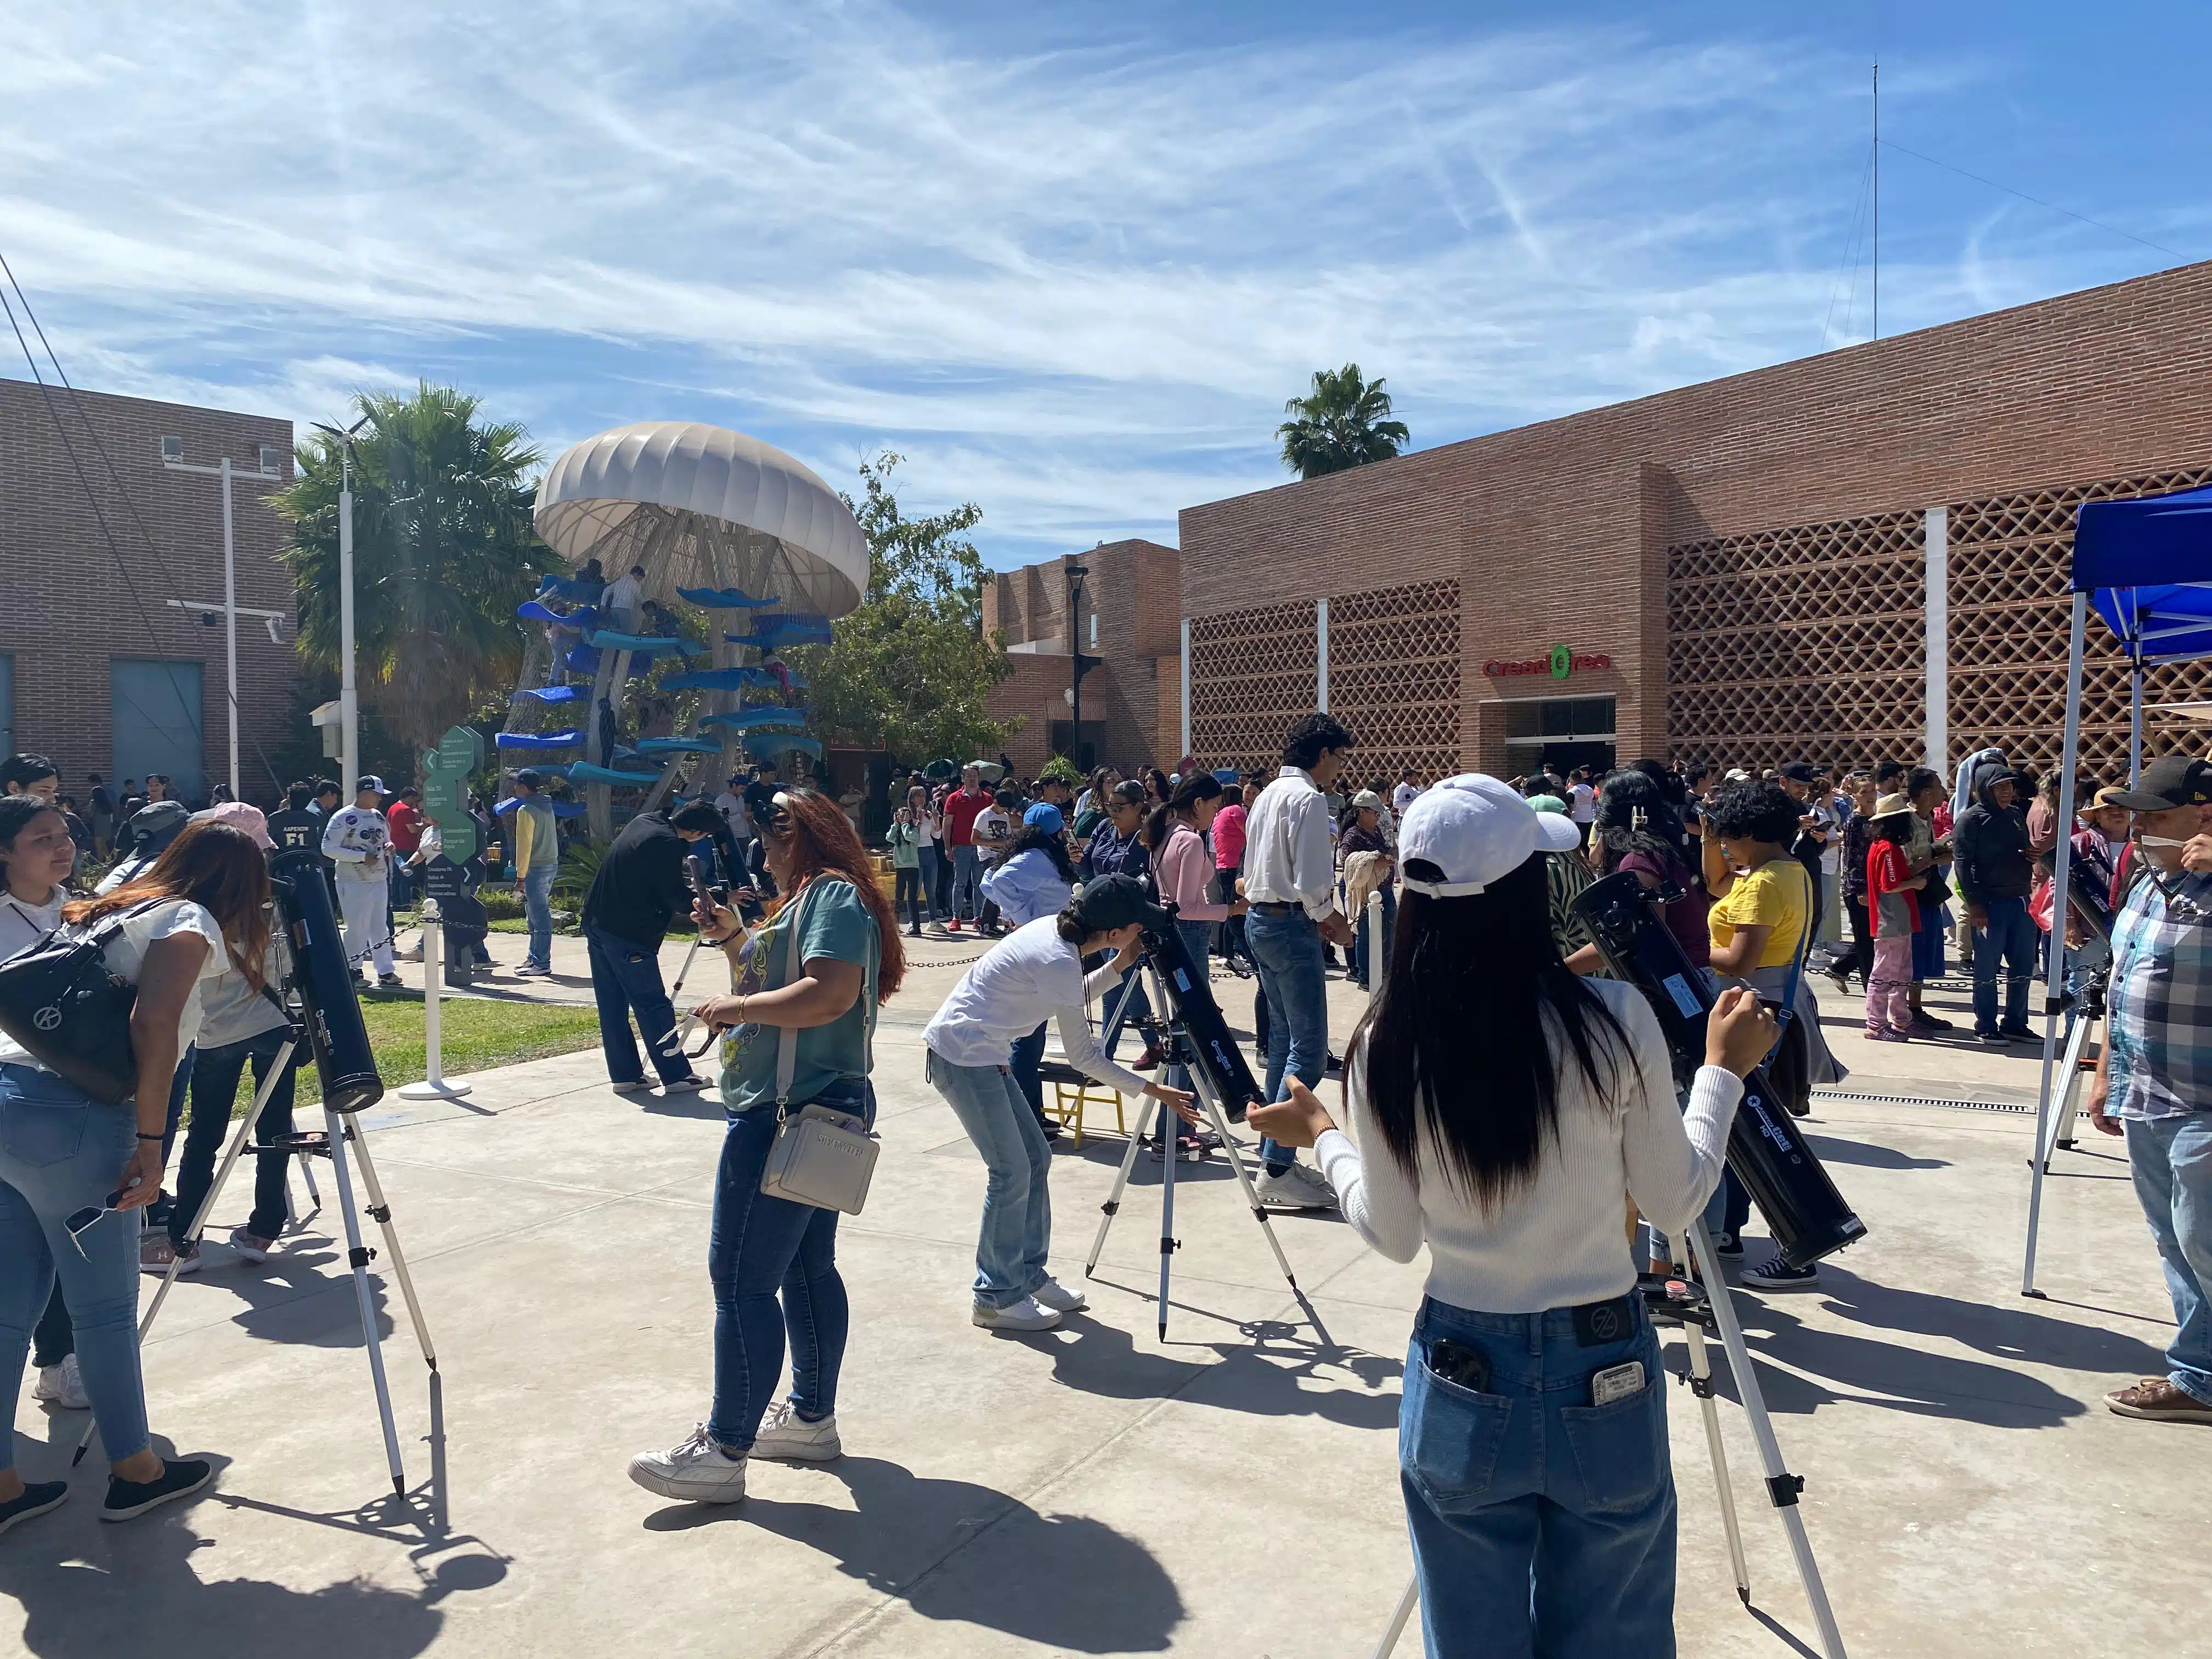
<point>1068,259</point>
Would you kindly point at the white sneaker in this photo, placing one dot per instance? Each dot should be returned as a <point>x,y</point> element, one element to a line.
<point>1026,1314</point>
<point>62,1385</point>
<point>697,1469</point>
<point>784,1434</point>
<point>251,1245</point>
<point>637,1087</point>
<point>1297,1189</point>
<point>1057,1297</point>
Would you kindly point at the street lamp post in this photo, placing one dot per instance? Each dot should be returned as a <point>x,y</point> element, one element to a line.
<point>171,458</point>
<point>1076,576</point>
<point>349,692</point>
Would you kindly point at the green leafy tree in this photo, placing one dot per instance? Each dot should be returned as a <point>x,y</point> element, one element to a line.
<point>911,668</point>
<point>1344,422</point>
<point>443,552</point>
<point>1065,770</point>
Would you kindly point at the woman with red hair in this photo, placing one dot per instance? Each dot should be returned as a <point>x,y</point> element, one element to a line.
<point>850,960</point>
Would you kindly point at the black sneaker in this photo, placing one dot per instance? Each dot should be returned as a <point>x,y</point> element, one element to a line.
<point>1924,1021</point>
<point>1997,1039</point>
<point>1728,1246</point>
<point>38,1496</point>
<point>2017,1034</point>
<point>1779,1275</point>
<point>178,1476</point>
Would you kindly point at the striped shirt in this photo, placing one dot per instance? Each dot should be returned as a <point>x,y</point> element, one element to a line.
<point>2160,999</point>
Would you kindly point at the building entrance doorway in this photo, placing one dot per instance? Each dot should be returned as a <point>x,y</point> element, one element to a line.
<point>1560,733</point>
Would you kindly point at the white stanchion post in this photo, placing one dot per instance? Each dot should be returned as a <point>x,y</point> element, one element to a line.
<point>1372,919</point>
<point>435,1086</point>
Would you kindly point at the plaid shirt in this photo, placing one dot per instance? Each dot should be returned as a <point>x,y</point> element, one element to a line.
<point>2161,999</point>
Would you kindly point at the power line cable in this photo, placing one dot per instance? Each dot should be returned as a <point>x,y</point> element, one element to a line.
<point>1850,240</point>
<point>230,691</point>
<point>2037,200</point>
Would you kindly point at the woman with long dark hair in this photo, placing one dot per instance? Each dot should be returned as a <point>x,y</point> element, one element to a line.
<point>850,962</point>
<point>202,908</point>
<point>1504,1105</point>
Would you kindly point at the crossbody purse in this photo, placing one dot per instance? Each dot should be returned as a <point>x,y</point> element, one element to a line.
<point>820,1157</point>
<point>70,1012</point>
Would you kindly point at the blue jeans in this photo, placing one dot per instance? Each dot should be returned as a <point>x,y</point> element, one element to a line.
<point>62,1152</point>
<point>761,1246</point>
<point>966,881</point>
<point>538,908</point>
<point>626,977</point>
<point>1542,1524</point>
<point>2171,1161</point>
<point>1028,1056</point>
<point>1928,943</point>
<point>2012,936</point>
<point>1017,1230</point>
<point>936,875</point>
<point>1360,966</point>
<point>1286,949</point>
<point>215,1078</point>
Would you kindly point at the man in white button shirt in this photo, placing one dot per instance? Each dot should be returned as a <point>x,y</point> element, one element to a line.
<point>1289,880</point>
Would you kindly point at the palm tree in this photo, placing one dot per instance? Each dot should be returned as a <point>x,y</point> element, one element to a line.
<point>1343,423</point>
<point>443,552</point>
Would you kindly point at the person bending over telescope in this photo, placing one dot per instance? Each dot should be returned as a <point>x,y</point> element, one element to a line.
<point>1501,1107</point>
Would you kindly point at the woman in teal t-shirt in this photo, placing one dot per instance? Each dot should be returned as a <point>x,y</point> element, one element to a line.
<point>849,961</point>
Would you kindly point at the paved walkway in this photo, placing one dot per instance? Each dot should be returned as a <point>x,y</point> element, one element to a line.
<point>1232,1492</point>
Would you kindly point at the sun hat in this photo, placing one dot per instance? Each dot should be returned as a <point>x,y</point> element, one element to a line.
<point>240,814</point>
<point>1476,830</point>
<point>1888,805</point>
<point>2109,796</point>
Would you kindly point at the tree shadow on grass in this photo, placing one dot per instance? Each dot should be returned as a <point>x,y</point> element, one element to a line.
<point>956,1551</point>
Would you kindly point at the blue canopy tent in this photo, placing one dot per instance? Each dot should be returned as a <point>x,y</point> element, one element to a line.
<point>2146,565</point>
<point>724,599</point>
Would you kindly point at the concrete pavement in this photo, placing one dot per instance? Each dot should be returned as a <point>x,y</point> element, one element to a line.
<point>1231,1492</point>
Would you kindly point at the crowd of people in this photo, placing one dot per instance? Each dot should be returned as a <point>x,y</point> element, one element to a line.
<point>1513,1172</point>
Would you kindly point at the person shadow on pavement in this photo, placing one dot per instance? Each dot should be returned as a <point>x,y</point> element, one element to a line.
<point>90,1591</point>
<point>950,1549</point>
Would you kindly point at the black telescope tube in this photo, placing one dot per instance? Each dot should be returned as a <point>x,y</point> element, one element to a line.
<point>1214,1049</point>
<point>1809,1217</point>
<point>328,1001</point>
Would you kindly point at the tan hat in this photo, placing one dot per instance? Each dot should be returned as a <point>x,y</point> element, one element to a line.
<point>1889,804</point>
<point>1368,799</point>
<point>2110,796</point>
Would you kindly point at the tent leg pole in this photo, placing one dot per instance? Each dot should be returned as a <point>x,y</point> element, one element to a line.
<point>2055,987</point>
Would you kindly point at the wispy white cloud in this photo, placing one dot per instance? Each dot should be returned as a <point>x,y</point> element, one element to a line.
<point>1072,281</point>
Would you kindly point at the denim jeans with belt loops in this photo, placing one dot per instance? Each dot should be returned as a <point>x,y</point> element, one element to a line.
<point>1017,1228</point>
<point>1542,1524</point>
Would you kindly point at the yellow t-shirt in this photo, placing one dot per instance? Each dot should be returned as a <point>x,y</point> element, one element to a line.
<point>1773,896</point>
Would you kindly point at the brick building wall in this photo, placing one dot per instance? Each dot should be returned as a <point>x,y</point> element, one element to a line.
<point>71,613</point>
<point>1134,593</point>
<point>1560,532</point>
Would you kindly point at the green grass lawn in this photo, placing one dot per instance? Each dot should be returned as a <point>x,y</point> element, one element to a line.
<point>477,1036</point>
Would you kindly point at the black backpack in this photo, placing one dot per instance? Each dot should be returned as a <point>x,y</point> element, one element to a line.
<point>70,1013</point>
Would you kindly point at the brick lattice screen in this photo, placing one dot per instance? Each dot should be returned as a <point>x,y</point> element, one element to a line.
<point>1251,673</point>
<point>1803,643</point>
<point>1393,665</point>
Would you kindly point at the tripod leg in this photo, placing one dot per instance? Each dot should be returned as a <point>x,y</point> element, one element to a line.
<point>1701,1384</point>
<point>238,1139</point>
<point>382,1212</point>
<point>1145,1105</point>
<point>1407,1603</point>
<point>1169,1124</point>
<point>1220,1121</point>
<point>358,1256</point>
<point>2077,1047</point>
<point>1781,1486</point>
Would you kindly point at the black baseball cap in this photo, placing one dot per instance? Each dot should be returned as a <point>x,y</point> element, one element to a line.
<point>2169,781</point>
<point>1798,771</point>
<point>1111,902</point>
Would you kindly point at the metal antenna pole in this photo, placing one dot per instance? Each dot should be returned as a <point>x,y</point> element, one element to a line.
<point>1877,201</point>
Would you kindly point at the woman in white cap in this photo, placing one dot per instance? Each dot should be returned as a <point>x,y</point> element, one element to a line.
<point>1504,1106</point>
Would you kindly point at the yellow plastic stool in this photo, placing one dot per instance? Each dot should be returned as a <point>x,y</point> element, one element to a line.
<point>1070,1095</point>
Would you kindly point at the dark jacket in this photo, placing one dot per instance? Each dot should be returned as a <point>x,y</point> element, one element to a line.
<point>1989,855</point>
<point>641,887</point>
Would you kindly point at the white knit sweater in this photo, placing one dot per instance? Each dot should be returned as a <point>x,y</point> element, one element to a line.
<point>1561,1240</point>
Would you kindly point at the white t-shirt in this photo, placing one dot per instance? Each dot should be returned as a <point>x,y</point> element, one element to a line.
<point>1028,977</point>
<point>1556,1241</point>
<point>621,593</point>
<point>127,949</point>
<point>994,828</point>
<point>23,924</point>
<point>1583,808</point>
<point>731,806</point>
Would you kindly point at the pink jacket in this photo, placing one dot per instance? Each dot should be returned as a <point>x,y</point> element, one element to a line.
<point>1182,870</point>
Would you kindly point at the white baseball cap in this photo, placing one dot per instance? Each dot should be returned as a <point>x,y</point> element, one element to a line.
<point>1476,830</point>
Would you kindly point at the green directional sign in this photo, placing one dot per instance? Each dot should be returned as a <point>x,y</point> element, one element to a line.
<point>446,772</point>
